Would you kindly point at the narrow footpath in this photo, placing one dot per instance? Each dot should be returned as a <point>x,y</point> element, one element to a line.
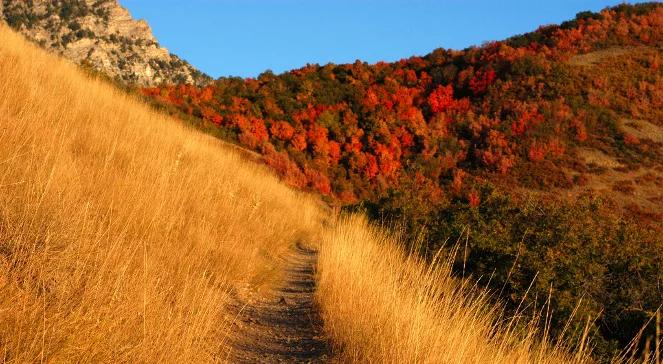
<point>283,325</point>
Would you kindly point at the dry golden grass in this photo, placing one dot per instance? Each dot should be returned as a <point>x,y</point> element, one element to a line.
<point>593,58</point>
<point>642,129</point>
<point>121,231</point>
<point>381,305</point>
<point>122,234</point>
<point>598,158</point>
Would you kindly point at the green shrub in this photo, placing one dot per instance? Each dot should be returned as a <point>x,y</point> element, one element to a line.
<point>577,254</point>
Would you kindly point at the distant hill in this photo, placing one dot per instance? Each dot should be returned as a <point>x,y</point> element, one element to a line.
<point>102,35</point>
<point>570,106</point>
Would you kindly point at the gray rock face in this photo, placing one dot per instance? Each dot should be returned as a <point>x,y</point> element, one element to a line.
<point>102,35</point>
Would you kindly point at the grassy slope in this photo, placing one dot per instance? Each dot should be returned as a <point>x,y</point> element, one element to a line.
<point>122,233</point>
<point>382,305</point>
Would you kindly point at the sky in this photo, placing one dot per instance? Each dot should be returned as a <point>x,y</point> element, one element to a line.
<point>247,37</point>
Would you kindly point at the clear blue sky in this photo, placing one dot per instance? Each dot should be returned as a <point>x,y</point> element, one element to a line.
<point>247,37</point>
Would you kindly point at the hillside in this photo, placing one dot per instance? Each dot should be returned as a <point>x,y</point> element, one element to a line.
<point>542,153</point>
<point>126,236</point>
<point>538,111</point>
<point>102,35</point>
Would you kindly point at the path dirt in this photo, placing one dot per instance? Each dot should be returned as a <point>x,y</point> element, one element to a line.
<point>282,325</point>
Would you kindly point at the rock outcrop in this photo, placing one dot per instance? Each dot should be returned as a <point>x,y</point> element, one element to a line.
<point>102,35</point>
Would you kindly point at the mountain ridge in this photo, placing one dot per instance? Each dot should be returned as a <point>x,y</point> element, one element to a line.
<point>102,35</point>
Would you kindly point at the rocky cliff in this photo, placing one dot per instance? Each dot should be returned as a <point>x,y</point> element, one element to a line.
<point>102,35</point>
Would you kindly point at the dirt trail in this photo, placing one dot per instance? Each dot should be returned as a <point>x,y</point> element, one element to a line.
<point>283,325</point>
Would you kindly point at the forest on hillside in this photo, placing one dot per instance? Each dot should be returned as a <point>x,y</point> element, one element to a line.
<point>487,147</point>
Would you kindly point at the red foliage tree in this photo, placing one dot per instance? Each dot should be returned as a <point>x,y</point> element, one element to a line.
<point>458,177</point>
<point>371,170</point>
<point>481,81</point>
<point>527,117</point>
<point>298,142</point>
<point>556,148</point>
<point>630,139</point>
<point>334,152</point>
<point>441,99</point>
<point>474,199</point>
<point>578,125</point>
<point>318,181</point>
<point>537,152</point>
<point>210,114</point>
<point>282,130</point>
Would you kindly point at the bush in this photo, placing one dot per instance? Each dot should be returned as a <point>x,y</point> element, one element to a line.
<point>577,254</point>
